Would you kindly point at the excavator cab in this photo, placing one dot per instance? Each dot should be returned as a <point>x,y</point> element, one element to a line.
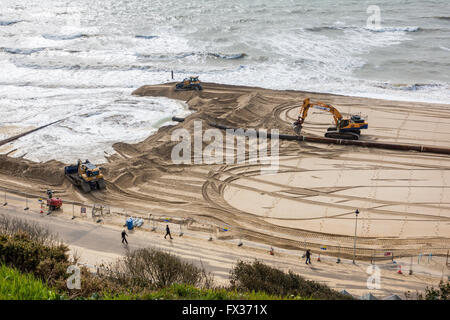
<point>343,123</point>
<point>357,118</point>
<point>89,171</point>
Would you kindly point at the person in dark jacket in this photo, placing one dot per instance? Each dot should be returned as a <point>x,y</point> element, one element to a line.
<point>308,256</point>
<point>168,232</point>
<point>124,234</point>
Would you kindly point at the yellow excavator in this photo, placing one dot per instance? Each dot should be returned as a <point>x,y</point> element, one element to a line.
<point>345,128</point>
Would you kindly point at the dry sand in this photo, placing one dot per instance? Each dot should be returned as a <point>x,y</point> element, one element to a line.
<point>403,197</point>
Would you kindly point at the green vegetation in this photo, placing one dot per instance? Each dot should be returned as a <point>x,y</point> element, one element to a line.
<point>257,276</point>
<point>441,293</point>
<point>36,255</point>
<point>189,292</point>
<point>34,266</point>
<point>17,286</point>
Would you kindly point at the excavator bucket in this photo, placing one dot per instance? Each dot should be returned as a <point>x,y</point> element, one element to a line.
<point>297,128</point>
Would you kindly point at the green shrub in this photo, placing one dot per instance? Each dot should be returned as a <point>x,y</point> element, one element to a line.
<point>189,292</point>
<point>46,262</point>
<point>151,268</point>
<point>442,293</point>
<point>17,286</point>
<point>257,276</point>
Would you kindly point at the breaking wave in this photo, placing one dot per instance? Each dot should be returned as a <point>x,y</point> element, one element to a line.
<point>145,37</point>
<point>21,51</point>
<point>410,87</point>
<point>193,54</point>
<point>64,37</point>
<point>9,23</point>
<point>382,29</point>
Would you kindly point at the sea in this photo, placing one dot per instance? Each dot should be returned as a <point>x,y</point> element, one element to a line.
<point>80,60</point>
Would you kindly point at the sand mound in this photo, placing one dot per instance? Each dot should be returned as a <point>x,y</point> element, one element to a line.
<point>51,172</point>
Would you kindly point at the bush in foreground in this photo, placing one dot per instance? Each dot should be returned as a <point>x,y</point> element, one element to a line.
<point>189,292</point>
<point>441,293</point>
<point>257,276</point>
<point>150,268</point>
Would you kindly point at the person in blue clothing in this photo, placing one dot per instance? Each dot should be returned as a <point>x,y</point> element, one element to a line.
<point>308,256</point>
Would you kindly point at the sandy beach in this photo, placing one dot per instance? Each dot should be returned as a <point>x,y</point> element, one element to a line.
<point>403,196</point>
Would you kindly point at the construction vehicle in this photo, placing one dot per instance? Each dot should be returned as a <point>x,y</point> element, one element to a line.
<point>53,203</point>
<point>345,128</point>
<point>85,175</point>
<point>191,83</point>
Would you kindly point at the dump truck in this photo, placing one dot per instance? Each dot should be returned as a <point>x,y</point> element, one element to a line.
<point>85,175</point>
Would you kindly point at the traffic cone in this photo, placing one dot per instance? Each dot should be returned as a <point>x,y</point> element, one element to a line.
<point>399,269</point>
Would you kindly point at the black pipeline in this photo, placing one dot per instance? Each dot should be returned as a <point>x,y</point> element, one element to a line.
<point>5,141</point>
<point>367,144</point>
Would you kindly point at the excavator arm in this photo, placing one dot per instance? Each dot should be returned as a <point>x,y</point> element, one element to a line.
<point>344,128</point>
<point>307,104</point>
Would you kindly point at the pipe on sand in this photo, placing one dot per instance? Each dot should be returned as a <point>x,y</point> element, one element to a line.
<point>367,144</point>
<point>8,140</point>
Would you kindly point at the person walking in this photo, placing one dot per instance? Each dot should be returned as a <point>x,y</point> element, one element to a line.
<point>308,256</point>
<point>124,234</point>
<point>168,233</point>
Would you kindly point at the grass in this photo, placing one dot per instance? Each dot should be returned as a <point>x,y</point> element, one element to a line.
<point>15,285</point>
<point>189,292</point>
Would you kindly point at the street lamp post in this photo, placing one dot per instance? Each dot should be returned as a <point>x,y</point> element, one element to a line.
<point>354,243</point>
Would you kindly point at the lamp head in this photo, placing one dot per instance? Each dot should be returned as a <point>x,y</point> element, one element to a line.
<point>357,212</point>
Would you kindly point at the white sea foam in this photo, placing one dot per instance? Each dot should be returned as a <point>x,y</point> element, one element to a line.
<point>94,120</point>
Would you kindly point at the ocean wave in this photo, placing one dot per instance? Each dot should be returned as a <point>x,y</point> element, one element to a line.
<point>9,23</point>
<point>145,37</point>
<point>442,18</point>
<point>79,66</point>
<point>444,48</point>
<point>21,51</point>
<point>381,29</point>
<point>64,37</point>
<point>410,87</point>
<point>394,29</point>
<point>191,54</point>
